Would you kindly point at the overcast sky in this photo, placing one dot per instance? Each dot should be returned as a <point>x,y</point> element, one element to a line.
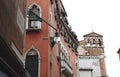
<point>104,17</point>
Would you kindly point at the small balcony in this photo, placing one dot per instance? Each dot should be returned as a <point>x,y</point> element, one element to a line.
<point>66,68</point>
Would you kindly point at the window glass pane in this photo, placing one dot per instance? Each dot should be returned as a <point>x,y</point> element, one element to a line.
<point>94,41</point>
<point>32,23</point>
<point>31,63</point>
<point>50,69</point>
<point>36,10</point>
<point>37,24</point>
<point>85,73</point>
<point>88,40</point>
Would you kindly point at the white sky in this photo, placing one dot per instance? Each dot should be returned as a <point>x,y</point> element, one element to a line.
<point>104,16</point>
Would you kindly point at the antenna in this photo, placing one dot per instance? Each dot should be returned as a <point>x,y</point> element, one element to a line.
<point>92,28</point>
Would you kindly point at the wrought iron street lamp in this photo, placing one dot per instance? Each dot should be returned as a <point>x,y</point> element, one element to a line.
<point>34,15</point>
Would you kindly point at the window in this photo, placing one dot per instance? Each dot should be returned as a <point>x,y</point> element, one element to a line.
<point>34,24</point>
<point>68,59</point>
<point>66,38</point>
<point>86,73</point>
<point>99,42</point>
<point>50,69</point>
<point>62,32</point>
<point>33,21</point>
<point>77,70</point>
<point>66,21</point>
<point>88,40</point>
<point>51,1</point>
<point>94,41</point>
<point>72,45</point>
<point>51,23</point>
<point>63,13</point>
<point>65,33</point>
<point>32,63</point>
<point>60,26</point>
<point>50,65</point>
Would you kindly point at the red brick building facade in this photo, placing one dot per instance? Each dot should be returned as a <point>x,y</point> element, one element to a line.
<point>43,58</point>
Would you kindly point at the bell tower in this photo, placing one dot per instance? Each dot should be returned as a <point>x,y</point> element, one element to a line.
<point>93,44</point>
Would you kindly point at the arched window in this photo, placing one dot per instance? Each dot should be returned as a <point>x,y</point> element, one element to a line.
<point>33,21</point>
<point>35,9</point>
<point>94,41</point>
<point>32,63</point>
<point>100,42</point>
<point>88,40</point>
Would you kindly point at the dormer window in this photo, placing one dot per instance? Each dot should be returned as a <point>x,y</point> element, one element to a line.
<point>33,22</point>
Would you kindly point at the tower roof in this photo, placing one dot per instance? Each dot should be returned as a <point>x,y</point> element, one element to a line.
<point>93,34</point>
